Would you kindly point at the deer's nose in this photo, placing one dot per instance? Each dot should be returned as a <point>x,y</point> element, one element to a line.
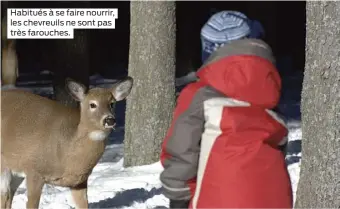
<point>109,121</point>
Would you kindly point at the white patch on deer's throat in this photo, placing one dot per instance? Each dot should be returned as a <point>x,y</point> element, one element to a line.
<point>6,177</point>
<point>98,135</point>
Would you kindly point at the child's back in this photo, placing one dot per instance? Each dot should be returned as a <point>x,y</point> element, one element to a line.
<point>222,148</point>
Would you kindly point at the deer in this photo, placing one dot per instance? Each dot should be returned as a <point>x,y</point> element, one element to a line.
<point>47,142</point>
<point>9,60</point>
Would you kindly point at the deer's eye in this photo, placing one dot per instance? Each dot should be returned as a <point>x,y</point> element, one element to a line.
<point>93,105</point>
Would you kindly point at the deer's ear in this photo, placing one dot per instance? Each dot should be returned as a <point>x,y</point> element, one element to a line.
<point>122,89</point>
<point>75,89</point>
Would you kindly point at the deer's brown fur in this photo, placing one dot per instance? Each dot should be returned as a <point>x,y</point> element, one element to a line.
<point>54,144</point>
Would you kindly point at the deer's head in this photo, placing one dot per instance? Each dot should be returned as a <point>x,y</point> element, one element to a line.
<point>97,105</point>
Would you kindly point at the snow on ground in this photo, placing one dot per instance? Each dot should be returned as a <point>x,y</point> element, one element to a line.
<point>294,152</point>
<point>112,186</point>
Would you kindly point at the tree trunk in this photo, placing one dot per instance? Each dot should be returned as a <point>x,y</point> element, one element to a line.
<point>152,65</point>
<point>72,60</point>
<point>319,185</point>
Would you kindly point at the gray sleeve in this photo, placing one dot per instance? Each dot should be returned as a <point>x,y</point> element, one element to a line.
<point>184,147</point>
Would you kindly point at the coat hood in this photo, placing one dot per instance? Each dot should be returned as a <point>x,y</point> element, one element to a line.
<point>244,70</point>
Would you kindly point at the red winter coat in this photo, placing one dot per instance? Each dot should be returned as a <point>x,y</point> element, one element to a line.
<point>221,150</point>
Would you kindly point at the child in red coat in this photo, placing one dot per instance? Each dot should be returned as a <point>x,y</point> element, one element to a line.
<point>222,149</point>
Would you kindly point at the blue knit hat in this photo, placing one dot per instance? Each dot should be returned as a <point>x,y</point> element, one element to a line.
<point>226,26</point>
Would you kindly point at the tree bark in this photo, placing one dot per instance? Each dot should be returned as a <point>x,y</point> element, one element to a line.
<point>152,65</point>
<point>319,185</point>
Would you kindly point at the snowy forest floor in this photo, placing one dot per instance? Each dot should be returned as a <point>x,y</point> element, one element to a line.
<point>112,186</point>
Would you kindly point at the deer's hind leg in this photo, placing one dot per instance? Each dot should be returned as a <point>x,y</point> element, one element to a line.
<point>9,184</point>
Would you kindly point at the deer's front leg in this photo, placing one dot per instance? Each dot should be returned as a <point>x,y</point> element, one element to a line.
<point>79,194</point>
<point>34,186</point>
